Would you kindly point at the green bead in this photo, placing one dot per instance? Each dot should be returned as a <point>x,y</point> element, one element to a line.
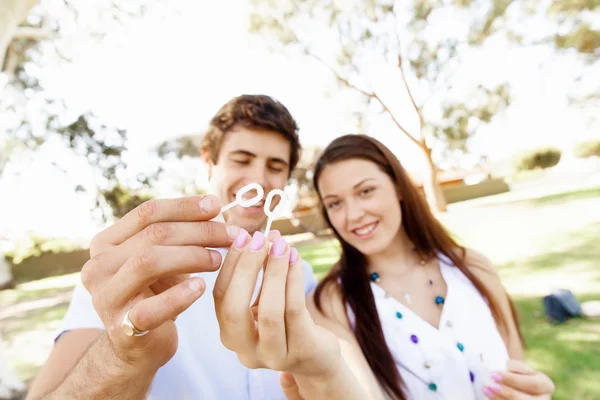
<point>398,314</point>
<point>460,347</point>
<point>433,387</point>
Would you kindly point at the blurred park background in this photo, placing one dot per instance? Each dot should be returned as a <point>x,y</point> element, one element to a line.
<point>492,105</point>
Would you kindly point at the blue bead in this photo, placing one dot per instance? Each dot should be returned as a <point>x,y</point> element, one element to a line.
<point>460,346</point>
<point>398,314</point>
<point>439,300</point>
<point>472,376</point>
<point>414,338</point>
<point>374,276</point>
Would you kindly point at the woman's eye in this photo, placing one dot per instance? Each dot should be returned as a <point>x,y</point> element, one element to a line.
<point>366,191</point>
<point>333,205</point>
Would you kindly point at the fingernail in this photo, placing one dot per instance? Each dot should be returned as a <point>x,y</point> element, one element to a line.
<point>294,255</point>
<point>275,232</point>
<point>257,242</point>
<point>497,377</point>
<point>216,258</point>
<point>241,239</point>
<point>233,231</point>
<point>195,285</point>
<point>206,204</point>
<point>488,392</point>
<point>495,387</point>
<point>279,247</point>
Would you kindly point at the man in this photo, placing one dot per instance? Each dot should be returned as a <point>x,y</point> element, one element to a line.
<point>138,276</point>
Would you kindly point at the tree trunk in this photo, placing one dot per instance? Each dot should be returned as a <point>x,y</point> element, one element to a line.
<point>6,278</point>
<point>14,12</point>
<point>431,183</point>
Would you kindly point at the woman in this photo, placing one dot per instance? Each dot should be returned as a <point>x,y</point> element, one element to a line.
<point>417,315</point>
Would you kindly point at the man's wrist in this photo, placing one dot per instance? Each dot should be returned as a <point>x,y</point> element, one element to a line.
<point>120,365</point>
<point>101,373</point>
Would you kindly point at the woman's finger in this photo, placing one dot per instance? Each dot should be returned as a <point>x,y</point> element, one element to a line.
<point>154,311</point>
<point>295,304</point>
<point>226,271</point>
<point>532,383</point>
<point>519,367</point>
<point>289,386</point>
<point>145,268</point>
<point>271,308</point>
<point>274,234</point>
<point>238,330</point>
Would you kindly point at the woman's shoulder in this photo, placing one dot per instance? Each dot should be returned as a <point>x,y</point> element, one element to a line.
<point>328,304</point>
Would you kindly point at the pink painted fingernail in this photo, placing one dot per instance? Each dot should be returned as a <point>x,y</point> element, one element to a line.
<point>279,247</point>
<point>241,239</point>
<point>488,392</point>
<point>257,242</point>
<point>294,255</point>
<point>497,377</point>
<point>495,387</point>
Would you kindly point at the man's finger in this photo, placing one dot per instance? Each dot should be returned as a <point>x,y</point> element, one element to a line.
<point>194,208</point>
<point>167,282</point>
<point>145,268</point>
<point>203,234</point>
<point>154,311</point>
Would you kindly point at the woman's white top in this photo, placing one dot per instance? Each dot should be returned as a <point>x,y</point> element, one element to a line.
<point>436,358</point>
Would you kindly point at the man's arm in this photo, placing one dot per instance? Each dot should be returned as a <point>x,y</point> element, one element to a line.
<point>100,374</point>
<point>67,351</point>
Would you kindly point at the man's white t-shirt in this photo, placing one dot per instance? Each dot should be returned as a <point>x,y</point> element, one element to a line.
<point>202,368</point>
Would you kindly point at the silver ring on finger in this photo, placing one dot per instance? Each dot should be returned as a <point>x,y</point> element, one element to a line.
<point>129,328</point>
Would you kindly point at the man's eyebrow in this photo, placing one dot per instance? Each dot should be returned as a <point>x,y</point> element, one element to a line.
<point>250,154</point>
<point>242,152</point>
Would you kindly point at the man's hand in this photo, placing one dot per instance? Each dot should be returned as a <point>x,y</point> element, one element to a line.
<point>142,264</point>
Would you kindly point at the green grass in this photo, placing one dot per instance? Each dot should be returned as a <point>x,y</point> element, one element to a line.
<point>564,197</point>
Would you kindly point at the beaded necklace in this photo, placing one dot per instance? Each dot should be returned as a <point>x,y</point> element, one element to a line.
<point>439,301</point>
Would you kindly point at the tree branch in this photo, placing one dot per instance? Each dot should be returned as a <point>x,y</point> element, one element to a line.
<point>412,99</point>
<point>339,77</point>
<point>26,32</point>
<point>387,110</point>
<point>370,95</point>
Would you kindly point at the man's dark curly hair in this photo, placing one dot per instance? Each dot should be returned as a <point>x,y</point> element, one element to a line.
<point>252,111</point>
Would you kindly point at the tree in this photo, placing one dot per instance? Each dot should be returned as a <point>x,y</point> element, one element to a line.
<point>303,174</point>
<point>571,27</point>
<point>34,35</point>
<point>348,37</point>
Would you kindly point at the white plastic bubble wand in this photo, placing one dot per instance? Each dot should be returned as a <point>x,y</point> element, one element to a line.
<point>239,199</point>
<point>271,214</point>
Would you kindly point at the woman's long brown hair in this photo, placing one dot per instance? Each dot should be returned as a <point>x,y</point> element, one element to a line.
<point>425,232</point>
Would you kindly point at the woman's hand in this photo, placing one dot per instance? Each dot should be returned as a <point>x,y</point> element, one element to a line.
<point>276,332</point>
<point>519,382</point>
